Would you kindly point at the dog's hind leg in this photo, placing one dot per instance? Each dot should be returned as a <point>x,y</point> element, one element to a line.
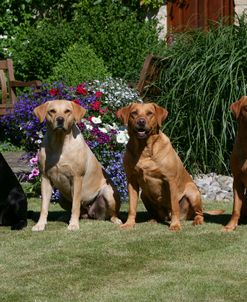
<point>112,204</point>
<point>194,197</point>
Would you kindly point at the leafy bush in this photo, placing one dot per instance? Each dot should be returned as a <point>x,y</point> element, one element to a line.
<point>103,135</point>
<point>206,72</point>
<point>78,64</point>
<point>37,48</point>
<point>118,33</point>
<point>118,36</point>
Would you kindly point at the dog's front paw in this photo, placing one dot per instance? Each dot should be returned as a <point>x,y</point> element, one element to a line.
<point>128,225</point>
<point>73,226</point>
<point>116,220</point>
<point>38,227</point>
<point>229,228</point>
<point>175,227</point>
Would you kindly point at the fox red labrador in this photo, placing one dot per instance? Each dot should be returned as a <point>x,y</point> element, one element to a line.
<point>153,166</point>
<point>239,164</point>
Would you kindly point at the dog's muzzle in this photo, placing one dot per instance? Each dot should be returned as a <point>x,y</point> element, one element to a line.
<point>60,122</point>
<point>141,128</point>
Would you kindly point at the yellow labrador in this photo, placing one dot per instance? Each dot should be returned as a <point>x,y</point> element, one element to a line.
<point>67,163</point>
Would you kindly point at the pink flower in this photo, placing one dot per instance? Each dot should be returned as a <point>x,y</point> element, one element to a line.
<point>34,173</point>
<point>98,94</point>
<point>34,160</point>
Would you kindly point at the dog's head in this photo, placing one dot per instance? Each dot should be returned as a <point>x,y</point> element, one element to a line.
<point>142,119</point>
<point>60,114</point>
<point>239,108</point>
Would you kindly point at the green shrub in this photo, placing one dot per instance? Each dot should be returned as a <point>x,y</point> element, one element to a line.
<point>205,74</point>
<point>118,33</point>
<point>119,36</point>
<point>79,64</point>
<point>37,49</point>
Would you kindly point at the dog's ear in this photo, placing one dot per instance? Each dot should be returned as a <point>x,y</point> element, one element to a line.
<point>123,114</point>
<point>161,113</point>
<point>41,111</point>
<point>236,106</point>
<point>78,112</point>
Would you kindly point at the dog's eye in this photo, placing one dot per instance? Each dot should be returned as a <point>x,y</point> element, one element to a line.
<point>67,111</point>
<point>134,113</point>
<point>52,111</point>
<point>149,113</point>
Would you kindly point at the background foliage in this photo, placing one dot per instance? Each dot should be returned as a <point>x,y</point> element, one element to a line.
<point>37,49</point>
<point>119,36</point>
<point>116,30</point>
<point>79,63</point>
<point>205,73</point>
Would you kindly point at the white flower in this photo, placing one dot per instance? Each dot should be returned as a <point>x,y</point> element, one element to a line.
<point>103,130</point>
<point>122,137</point>
<point>96,120</point>
<point>111,127</point>
<point>89,127</point>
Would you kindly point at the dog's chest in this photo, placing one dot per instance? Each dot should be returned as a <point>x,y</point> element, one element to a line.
<point>60,173</point>
<point>148,170</point>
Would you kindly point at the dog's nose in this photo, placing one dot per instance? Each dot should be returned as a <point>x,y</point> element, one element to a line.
<point>141,122</point>
<point>60,120</point>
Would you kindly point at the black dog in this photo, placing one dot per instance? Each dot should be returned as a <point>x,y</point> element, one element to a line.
<point>13,201</point>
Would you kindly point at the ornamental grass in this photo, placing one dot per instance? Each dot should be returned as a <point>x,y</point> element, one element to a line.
<point>205,73</point>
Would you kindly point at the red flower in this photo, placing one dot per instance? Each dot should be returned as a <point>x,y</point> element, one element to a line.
<point>96,105</point>
<point>53,91</point>
<point>81,90</point>
<point>76,101</point>
<point>102,111</point>
<point>98,94</point>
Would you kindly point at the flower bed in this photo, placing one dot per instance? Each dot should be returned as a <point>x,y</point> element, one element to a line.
<point>100,127</point>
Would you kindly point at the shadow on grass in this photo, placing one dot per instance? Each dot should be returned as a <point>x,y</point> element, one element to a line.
<point>218,219</point>
<point>141,217</point>
<point>52,216</point>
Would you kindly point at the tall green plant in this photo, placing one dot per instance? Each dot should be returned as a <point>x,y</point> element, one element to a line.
<point>205,74</point>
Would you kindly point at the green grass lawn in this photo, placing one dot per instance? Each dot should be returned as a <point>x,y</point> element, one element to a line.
<point>102,262</point>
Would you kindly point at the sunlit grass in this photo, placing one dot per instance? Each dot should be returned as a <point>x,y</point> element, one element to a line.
<point>102,262</point>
